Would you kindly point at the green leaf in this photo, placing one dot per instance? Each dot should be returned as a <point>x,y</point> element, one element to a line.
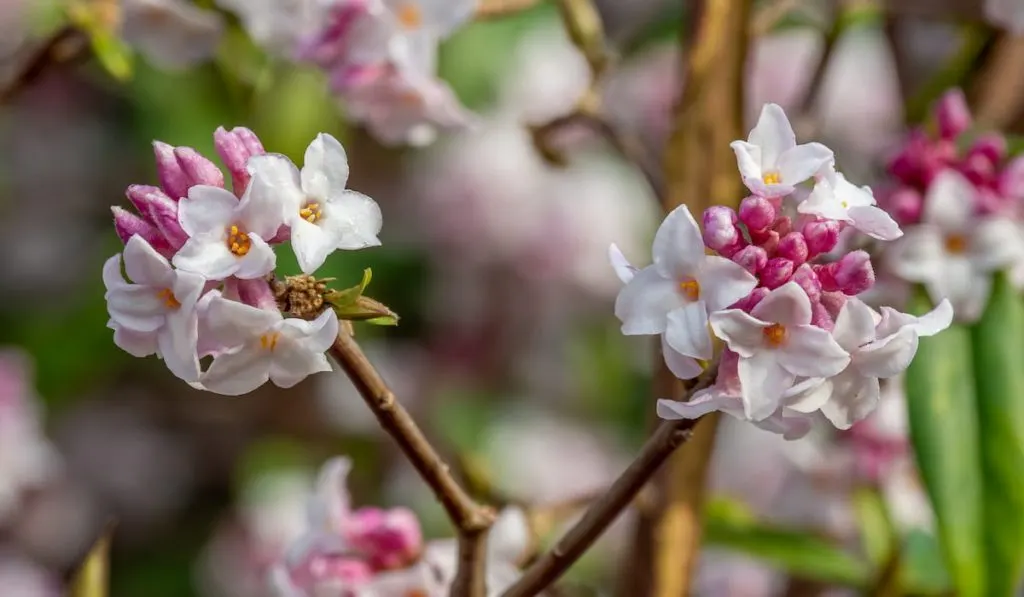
<point>92,578</point>
<point>877,535</point>
<point>348,296</point>
<point>800,553</point>
<point>923,572</point>
<point>998,340</point>
<point>944,433</point>
<point>114,55</point>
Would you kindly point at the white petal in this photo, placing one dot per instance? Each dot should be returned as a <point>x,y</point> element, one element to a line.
<point>331,504</point>
<point>823,202</point>
<point>137,344</point>
<point>748,159</point>
<point>138,308</point>
<point>238,372</point>
<point>324,168</point>
<point>678,246</point>
<point>723,282</point>
<point>743,333</point>
<point>855,325</point>
<point>112,277</point>
<point>763,382</point>
<point>145,266</point>
<point>232,323</point>
<point>875,223</point>
<point>281,584</point>
<point>643,304</point>
<point>623,268</point>
<point>889,356</point>
<point>680,365</point>
<point>702,403</point>
<point>808,395</point>
<point>294,363</point>
<point>275,179</point>
<point>687,331</point>
<point>258,262</point>
<point>966,288</point>
<point>353,219</point>
<point>934,321</point>
<point>187,288</point>
<point>773,134</point>
<point>310,244</point>
<point>510,536</point>
<point>994,244</point>
<point>177,342</point>
<point>802,162</point>
<point>854,397</point>
<point>811,352</point>
<point>789,425</point>
<point>317,335</point>
<point>788,304</point>
<point>919,255</point>
<point>949,203</point>
<point>850,193</point>
<point>206,209</point>
<point>207,255</point>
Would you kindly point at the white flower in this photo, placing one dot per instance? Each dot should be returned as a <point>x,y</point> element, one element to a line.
<point>953,252</point>
<point>321,213</point>
<point>776,343</point>
<point>836,198</point>
<point>228,236</point>
<point>771,162</point>
<point>157,312</point>
<point>675,294</point>
<point>1006,13</point>
<point>876,352</point>
<point>266,346</point>
<point>278,25</point>
<point>171,33</point>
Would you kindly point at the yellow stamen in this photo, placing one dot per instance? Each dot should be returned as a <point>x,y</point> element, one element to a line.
<point>956,244</point>
<point>167,296</point>
<point>269,341</point>
<point>311,213</point>
<point>845,205</point>
<point>775,334</point>
<point>409,15</point>
<point>238,241</point>
<point>772,178</point>
<point>690,289</point>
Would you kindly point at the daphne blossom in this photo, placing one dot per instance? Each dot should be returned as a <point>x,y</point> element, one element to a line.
<point>320,212</point>
<point>838,199</point>
<point>954,251</point>
<point>173,34</point>
<point>675,294</point>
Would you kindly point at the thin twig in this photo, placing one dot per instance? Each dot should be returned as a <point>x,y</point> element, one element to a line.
<point>550,567</point>
<point>64,45</point>
<point>472,521</point>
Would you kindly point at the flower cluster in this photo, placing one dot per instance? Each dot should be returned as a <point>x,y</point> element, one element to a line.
<point>961,209</point>
<point>380,57</point>
<point>198,257</point>
<point>372,552</point>
<point>798,340</point>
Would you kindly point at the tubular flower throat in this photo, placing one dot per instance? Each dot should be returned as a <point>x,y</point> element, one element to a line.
<point>690,289</point>
<point>311,212</point>
<point>238,241</point>
<point>775,334</point>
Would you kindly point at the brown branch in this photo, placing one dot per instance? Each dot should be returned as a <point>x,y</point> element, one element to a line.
<point>494,9</point>
<point>550,567</point>
<point>65,45</point>
<point>472,521</point>
<point>809,123</point>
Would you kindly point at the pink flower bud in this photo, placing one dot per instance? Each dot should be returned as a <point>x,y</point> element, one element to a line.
<point>783,225</point>
<point>751,257</point>
<point>939,156</point>
<point>833,302</point>
<point>235,147</point>
<point>390,539</point>
<point>329,569</point>
<point>127,225</point>
<point>160,210</point>
<point>905,204</point>
<point>757,213</point>
<point>805,277</point>
<point>720,231</point>
<point>197,168</point>
<point>978,169</point>
<point>750,301</point>
<point>821,318</point>
<point>851,275</point>
<point>793,247</point>
<point>989,201</point>
<point>1011,179</point>
<point>256,293</point>
<point>776,272</point>
<point>991,146</point>
<point>820,236</point>
<point>173,179</point>
<point>952,114</point>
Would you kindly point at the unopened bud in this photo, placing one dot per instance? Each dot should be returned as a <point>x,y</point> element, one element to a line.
<point>783,225</point>
<point>820,236</point>
<point>720,231</point>
<point>905,204</point>
<point>757,213</point>
<point>821,318</point>
<point>257,293</point>
<point>752,258</point>
<point>991,146</point>
<point>391,539</point>
<point>793,247</point>
<point>851,275</point>
<point>806,279</point>
<point>833,302</point>
<point>1011,179</point>
<point>952,114</point>
<point>198,169</point>
<point>776,272</point>
<point>127,225</point>
<point>235,147</point>
<point>750,301</point>
<point>159,210</point>
<point>173,179</point>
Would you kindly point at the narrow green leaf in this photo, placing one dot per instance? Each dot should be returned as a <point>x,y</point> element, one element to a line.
<point>944,433</point>
<point>92,578</point>
<point>115,55</point>
<point>877,535</point>
<point>348,296</point>
<point>998,340</point>
<point>799,553</point>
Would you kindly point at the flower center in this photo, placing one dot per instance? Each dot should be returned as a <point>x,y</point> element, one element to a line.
<point>775,334</point>
<point>311,213</point>
<point>416,593</point>
<point>690,289</point>
<point>409,15</point>
<point>167,296</point>
<point>845,204</point>
<point>772,177</point>
<point>269,341</point>
<point>238,241</point>
<point>956,243</point>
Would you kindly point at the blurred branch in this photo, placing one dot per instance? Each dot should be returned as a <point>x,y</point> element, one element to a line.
<point>549,567</point>
<point>494,9</point>
<point>952,74</point>
<point>65,45</point>
<point>92,578</point>
<point>999,93</point>
<point>472,520</point>
<point>808,123</point>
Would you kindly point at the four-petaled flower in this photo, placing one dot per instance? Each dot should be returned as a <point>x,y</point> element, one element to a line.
<point>321,213</point>
<point>156,313</point>
<point>675,294</point>
<point>776,343</point>
<point>836,198</point>
<point>771,162</point>
<point>266,346</point>
<point>953,252</point>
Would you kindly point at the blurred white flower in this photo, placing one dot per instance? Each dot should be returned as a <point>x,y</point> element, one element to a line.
<point>22,578</point>
<point>1006,13</point>
<point>172,34</point>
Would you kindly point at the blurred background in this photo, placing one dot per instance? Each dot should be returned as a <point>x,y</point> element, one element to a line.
<point>507,351</point>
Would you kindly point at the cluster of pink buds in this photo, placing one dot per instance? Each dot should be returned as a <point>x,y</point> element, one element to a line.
<point>198,258</point>
<point>372,552</point>
<point>960,199</point>
<point>798,340</point>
